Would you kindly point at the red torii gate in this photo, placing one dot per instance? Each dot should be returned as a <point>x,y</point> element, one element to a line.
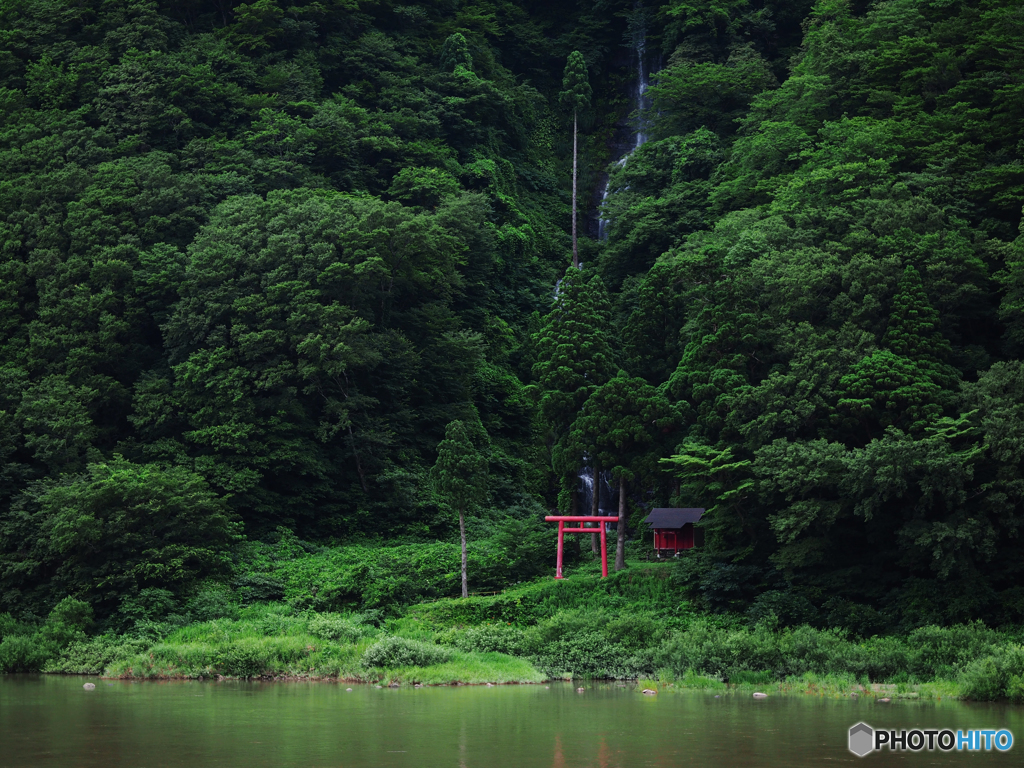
<point>562,530</point>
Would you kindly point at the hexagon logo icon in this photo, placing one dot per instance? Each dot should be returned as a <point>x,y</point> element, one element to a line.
<point>862,738</point>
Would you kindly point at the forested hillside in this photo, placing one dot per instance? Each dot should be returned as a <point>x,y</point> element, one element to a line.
<point>256,257</point>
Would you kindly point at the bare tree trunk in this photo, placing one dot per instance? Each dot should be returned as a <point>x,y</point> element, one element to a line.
<point>359,466</point>
<point>595,508</point>
<point>575,253</point>
<point>462,533</point>
<point>620,538</point>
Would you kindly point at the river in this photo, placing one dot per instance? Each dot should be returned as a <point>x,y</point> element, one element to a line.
<point>52,721</point>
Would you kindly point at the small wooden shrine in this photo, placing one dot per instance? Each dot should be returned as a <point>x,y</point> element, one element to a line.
<point>674,529</point>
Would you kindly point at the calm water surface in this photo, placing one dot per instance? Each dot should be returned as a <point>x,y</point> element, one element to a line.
<point>51,721</point>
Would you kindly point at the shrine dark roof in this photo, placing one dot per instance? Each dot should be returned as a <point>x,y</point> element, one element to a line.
<point>667,517</point>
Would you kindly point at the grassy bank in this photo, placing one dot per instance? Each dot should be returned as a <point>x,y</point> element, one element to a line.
<point>808,684</point>
<point>273,641</point>
<point>631,625</point>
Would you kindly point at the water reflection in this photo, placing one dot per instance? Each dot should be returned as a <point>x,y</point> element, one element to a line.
<point>49,721</point>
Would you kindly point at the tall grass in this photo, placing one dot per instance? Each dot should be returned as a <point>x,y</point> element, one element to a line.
<point>272,641</point>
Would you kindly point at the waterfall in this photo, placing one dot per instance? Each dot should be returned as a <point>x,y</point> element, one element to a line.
<point>638,25</point>
<point>637,32</point>
<point>607,492</point>
<point>606,503</point>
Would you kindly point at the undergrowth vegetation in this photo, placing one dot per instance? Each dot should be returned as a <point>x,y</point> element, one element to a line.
<point>631,625</point>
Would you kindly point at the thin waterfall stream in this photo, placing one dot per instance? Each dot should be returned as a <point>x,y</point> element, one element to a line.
<point>637,31</point>
<point>605,502</point>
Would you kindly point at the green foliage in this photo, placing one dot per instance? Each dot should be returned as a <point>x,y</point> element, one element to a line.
<point>113,532</point>
<point>573,348</point>
<point>929,653</point>
<point>692,94</point>
<point>502,550</point>
<point>997,676</point>
<point>459,476</point>
<point>333,626</point>
<point>400,652</point>
<point>455,53</point>
<point>657,197</point>
<point>268,253</point>
<point>576,91</point>
<point>212,601</point>
<point>621,426</point>
<point>21,653</point>
<point>93,656</point>
<point>717,480</point>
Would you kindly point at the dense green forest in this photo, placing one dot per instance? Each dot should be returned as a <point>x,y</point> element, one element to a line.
<point>257,257</point>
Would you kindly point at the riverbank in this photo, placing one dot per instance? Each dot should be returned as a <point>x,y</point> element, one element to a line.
<point>630,626</point>
<point>809,684</point>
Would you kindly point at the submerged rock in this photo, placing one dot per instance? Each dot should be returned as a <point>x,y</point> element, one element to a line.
<point>90,686</point>
<point>759,695</point>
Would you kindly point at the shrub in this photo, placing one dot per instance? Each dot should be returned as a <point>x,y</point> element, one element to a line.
<point>862,620</point>
<point>93,656</point>
<point>583,654</point>
<point>114,530</point>
<point>259,588</point>
<point>499,638</point>
<point>10,626</point>
<point>400,652</point>
<point>942,652</point>
<point>334,626</point>
<point>983,680</point>
<point>72,613</point>
<point>995,676</point>
<point>1015,689</point>
<point>244,658</point>
<point>21,653</point>
<point>151,604</point>
<point>213,601</point>
<point>786,608</point>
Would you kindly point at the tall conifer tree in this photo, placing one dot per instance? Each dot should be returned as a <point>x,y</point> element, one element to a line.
<point>575,355</point>
<point>459,477</point>
<point>575,95</point>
